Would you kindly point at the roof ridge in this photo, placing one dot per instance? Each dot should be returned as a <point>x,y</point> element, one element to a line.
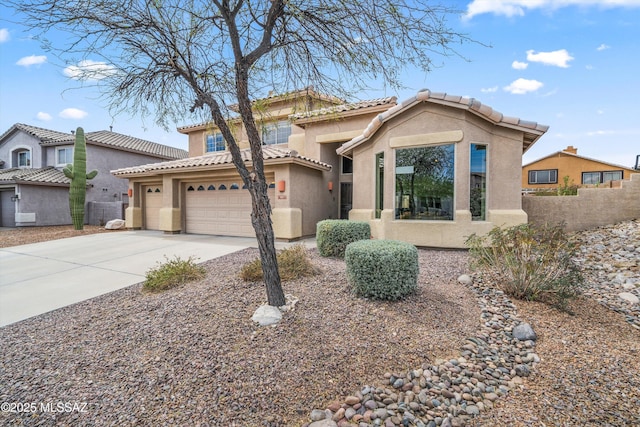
<point>470,104</point>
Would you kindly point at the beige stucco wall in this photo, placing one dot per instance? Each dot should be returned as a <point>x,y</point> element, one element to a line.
<point>427,124</point>
<point>592,207</point>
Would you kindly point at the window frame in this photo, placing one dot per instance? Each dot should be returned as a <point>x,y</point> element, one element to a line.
<point>550,181</point>
<point>217,139</point>
<point>436,207</point>
<point>483,183</point>
<point>601,175</point>
<point>276,133</point>
<point>26,152</point>
<point>342,168</point>
<point>61,149</point>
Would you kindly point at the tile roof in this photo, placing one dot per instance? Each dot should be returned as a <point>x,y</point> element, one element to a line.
<point>49,175</point>
<point>210,160</point>
<point>105,138</point>
<point>567,153</point>
<point>344,107</point>
<point>532,130</point>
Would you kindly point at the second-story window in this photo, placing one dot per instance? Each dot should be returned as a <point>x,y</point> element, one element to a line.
<point>215,142</point>
<point>64,156</point>
<point>24,159</point>
<point>276,133</point>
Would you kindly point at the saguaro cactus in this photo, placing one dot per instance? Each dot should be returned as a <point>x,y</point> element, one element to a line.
<point>77,173</point>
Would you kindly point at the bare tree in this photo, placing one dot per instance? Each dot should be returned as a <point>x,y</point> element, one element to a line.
<point>188,59</point>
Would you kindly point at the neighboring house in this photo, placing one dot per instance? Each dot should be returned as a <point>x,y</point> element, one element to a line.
<point>550,171</point>
<point>429,171</point>
<point>34,190</point>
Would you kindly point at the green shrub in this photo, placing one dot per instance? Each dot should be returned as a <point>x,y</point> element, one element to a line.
<point>173,273</point>
<point>567,188</point>
<point>333,235</point>
<point>293,263</point>
<point>382,269</point>
<point>529,262</point>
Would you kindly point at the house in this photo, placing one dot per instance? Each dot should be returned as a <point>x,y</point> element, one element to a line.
<point>430,171</point>
<point>34,190</point>
<point>436,168</point>
<point>550,171</point>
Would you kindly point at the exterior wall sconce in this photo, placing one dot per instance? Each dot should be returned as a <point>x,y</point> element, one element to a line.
<point>330,185</point>
<point>15,197</point>
<point>130,192</point>
<point>281,186</point>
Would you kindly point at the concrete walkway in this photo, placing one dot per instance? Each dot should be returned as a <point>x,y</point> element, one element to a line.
<point>41,277</point>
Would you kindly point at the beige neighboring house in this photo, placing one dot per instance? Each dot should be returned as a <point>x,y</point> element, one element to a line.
<point>549,172</point>
<point>429,171</point>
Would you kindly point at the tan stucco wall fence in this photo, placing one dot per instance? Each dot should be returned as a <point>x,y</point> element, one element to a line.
<point>592,207</point>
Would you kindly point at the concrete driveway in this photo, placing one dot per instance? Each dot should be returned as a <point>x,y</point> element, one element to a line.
<point>41,277</point>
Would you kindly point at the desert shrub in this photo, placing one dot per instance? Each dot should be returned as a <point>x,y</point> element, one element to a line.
<point>333,235</point>
<point>293,263</point>
<point>567,188</point>
<point>382,269</point>
<point>172,273</point>
<point>529,262</point>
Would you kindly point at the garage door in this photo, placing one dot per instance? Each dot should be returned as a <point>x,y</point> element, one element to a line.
<point>221,208</point>
<point>152,205</point>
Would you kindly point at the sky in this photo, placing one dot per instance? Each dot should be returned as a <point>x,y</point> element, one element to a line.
<point>570,64</point>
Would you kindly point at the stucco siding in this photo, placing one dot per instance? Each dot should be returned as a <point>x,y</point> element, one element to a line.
<point>309,193</point>
<point>21,140</point>
<point>46,205</point>
<point>592,207</point>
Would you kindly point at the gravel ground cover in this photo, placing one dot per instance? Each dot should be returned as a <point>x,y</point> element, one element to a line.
<point>191,356</point>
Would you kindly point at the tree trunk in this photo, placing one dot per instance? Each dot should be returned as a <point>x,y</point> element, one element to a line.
<point>261,220</point>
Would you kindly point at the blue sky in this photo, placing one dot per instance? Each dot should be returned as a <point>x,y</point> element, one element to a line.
<point>569,64</point>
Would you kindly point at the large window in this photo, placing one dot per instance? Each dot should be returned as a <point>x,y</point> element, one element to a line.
<point>424,183</point>
<point>601,177</point>
<point>64,156</point>
<point>478,182</point>
<point>549,176</point>
<point>276,133</point>
<point>215,142</point>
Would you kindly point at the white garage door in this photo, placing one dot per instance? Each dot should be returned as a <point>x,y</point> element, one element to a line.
<point>221,208</point>
<point>152,205</point>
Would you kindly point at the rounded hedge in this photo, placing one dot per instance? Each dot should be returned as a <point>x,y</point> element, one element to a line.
<point>333,235</point>
<point>382,269</point>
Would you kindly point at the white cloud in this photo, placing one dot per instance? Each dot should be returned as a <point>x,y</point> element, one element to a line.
<point>4,35</point>
<point>558,58</point>
<point>89,70</point>
<point>512,8</point>
<point>73,113</point>
<point>43,117</point>
<point>28,61</point>
<point>600,112</point>
<point>589,67</point>
<point>517,65</point>
<point>603,47</point>
<point>489,89</point>
<point>600,132</point>
<point>522,86</point>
